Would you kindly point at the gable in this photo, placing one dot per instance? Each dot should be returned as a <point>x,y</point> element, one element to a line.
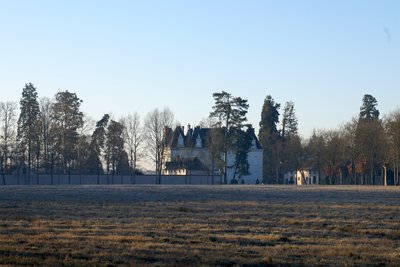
<point>181,141</point>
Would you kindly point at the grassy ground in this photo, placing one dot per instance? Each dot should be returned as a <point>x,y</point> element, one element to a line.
<point>199,226</point>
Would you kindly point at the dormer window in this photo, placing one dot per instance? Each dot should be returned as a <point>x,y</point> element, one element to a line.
<point>180,141</point>
<point>198,142</point>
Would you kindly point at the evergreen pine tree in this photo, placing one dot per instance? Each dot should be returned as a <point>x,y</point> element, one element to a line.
<point>27,125</point>
<point>68,118</point>
<point>270,140</point>
<point>231,112</point>
<point>96,148</point>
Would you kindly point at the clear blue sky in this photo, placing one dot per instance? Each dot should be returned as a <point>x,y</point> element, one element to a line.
<point>127,56</point>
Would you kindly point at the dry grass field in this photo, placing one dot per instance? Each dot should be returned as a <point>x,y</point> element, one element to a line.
<point>199,226</point>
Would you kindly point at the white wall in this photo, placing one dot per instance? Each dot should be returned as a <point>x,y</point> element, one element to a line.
<point>255,159</point>
<point>310,177</point>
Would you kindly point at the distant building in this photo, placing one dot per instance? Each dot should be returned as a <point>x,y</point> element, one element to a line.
<point>187,166</point>
<point>190,153</point>
<point>304,176</point>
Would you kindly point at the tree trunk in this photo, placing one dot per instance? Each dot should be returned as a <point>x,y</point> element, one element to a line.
<point>372,179</point>
<point>303,179</point>
<point>226,148</point>
<point>212,170</point>
<point>277,174</point>
<point>234,174</point>
<point>80,170</point>
<point>29,162</point>
<point>2,173</point>
<point>340,176</point>
<point>373,182</point>
<point>58,173</point>
<point>384,175</point>
<point>52,169</point>
<point>318,167</point>
<point>225,163</point>
<point>396,174</point>
<point>37,169</point>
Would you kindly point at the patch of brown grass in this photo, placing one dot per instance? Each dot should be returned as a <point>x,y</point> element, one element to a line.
<point>199,225</point>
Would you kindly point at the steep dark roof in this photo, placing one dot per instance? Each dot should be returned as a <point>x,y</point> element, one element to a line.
<point>193,164</point>
<point>205,134</point>
<point>173,139</point>
<point>253,135</point>
<point>190,138</point>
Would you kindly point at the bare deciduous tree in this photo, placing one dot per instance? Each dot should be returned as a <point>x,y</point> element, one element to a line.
<point>133,135</point>
<point>334,158</point>
<point>392,126</point>
<point>7,135</point>
<point>157,129</point>
<point>349,137</point>
<point>83,142</point>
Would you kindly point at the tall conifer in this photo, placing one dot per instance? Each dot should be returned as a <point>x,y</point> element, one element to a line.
<point>231,112</point>
<point>270,139</point>
<point>28,124</point>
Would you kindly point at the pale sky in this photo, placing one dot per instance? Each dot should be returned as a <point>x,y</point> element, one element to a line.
<point>127,56</point>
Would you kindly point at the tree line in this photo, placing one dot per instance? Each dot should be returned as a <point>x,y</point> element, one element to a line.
<point>53,136</point>
<point>364,151</point>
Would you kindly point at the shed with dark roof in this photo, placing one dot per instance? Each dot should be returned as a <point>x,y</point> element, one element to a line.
<point>184,166</point>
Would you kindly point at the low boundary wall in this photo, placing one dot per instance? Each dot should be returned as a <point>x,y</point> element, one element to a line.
<point>108,179</point>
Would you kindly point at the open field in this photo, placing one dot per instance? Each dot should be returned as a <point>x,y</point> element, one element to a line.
<point>199,225</point>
